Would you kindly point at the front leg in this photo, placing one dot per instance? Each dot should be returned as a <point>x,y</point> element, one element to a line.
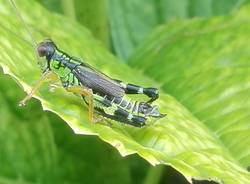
<point>48,75</point>
<point>152,93</point>
<point>85,92</point>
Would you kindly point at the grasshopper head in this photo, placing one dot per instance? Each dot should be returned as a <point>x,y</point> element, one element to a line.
<point>46,48</point>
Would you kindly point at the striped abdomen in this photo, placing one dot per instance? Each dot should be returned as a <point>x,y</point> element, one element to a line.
<point>134,107</point>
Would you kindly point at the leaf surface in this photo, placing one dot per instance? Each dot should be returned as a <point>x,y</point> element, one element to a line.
<point>205,64</point>
<point>180,140</point>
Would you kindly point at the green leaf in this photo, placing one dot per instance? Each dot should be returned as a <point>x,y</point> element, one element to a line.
<point>201,156</point>
<point>52,5</point>
<point>225,6</point>
<point>93,15</point>
<point>46,151</point>
<point>132,21</point>
<point>205,64</point>
<point>27,146</point>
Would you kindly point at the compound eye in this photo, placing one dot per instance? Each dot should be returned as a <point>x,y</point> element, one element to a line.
<point>42,50</point>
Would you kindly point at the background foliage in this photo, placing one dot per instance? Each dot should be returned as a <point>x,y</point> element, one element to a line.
<point>205,64</point>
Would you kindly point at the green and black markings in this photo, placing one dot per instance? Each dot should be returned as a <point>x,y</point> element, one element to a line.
<point>103,95</point>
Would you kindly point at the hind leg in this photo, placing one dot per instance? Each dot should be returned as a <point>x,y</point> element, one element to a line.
<point>84,92</point>
<point>152,93</point>
<point>128,118</point>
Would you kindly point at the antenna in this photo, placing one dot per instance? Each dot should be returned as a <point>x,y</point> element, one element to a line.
<point>33,43</point>
<point>25,25</point>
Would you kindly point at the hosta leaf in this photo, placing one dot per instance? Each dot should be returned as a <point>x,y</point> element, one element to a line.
<point>46,151</point>
<point>180,140</point>
<point>208,70</point>
<point>131,21</point>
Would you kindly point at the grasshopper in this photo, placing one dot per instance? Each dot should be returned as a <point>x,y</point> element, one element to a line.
<point>103,95</point>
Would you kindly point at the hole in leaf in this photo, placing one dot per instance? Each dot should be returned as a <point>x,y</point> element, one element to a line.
<point>172,176</point>
<point>248,168</point>
<point>203,182</point>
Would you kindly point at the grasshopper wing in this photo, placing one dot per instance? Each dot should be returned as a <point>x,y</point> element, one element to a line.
<point>98,82</point>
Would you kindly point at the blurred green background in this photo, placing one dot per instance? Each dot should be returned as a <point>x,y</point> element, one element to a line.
<point>41,148</point>
<point>123,25</point>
